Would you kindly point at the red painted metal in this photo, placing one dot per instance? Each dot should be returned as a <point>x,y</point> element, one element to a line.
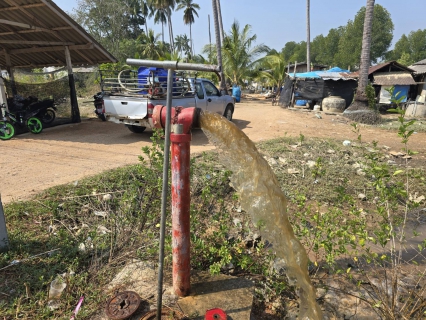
<point>180,154</point>
<point>188,117</point>
<point>215,314</point>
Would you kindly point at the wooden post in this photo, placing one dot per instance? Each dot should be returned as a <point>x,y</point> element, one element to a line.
<point>4,242</point>
<point>10,70</point>
<point>294,75</point>
<point>75,112</point>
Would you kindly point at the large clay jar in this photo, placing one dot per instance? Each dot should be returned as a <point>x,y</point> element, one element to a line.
<point>333,104</point>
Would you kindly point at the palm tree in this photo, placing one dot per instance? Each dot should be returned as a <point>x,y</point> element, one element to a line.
<point>239,53</point>
<point>359,110</point>
<point>160,16</point>
<point>190,9</point>
<point>166,7</point>
<point>182,45</point>
<point>146,11</point>
<point>275,68</point>
<point>365,52</point>
<point>150,46</point>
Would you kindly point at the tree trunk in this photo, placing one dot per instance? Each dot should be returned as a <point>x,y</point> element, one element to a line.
<point>219,12</point>
<point>308,37</point>
<point>162,31</point>
<point>218,45</point>
<point>365,53</point>
<point>359,110</point>
<point>190,39</point>
<point>172,42</point>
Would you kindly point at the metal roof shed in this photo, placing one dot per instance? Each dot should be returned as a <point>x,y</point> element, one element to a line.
<point>37,33</point>
<point>393,78</point>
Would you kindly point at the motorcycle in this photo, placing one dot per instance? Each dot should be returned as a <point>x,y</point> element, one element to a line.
<point>21,118</point>
<point>99,106</point>
<point>46,108</point>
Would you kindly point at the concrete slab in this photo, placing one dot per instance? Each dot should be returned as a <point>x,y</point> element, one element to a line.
<point>231,294</point>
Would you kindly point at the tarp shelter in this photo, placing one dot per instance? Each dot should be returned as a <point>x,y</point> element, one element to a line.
<point>317,85</point>
<point>37,33</point>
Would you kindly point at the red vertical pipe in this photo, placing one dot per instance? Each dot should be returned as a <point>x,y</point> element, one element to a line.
<point>180,144</point>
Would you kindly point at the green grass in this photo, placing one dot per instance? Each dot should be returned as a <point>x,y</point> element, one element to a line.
<point>67,216</point>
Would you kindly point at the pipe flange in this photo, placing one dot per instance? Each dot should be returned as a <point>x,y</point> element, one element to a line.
<point>122,305</point>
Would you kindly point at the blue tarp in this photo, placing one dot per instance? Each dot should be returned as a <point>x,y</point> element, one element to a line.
<point>332,73</point>
<point>401,91</point>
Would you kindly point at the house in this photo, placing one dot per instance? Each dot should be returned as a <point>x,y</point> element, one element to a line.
<point>385,75</point>
<point>303,67</point>
<point>420,76</point>
<point>317,85</point>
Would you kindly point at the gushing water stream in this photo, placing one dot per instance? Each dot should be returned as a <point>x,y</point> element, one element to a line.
<point>262,198</point>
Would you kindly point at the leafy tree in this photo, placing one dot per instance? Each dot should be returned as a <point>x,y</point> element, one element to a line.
<point>324,49</point>
<point>190,9</point>
<point>110,22</point>
<point>350,43</point>
<point>410,49</point>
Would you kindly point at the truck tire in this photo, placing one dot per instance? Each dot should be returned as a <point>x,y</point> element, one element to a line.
<point>135,129</point>
<point>229,111</point>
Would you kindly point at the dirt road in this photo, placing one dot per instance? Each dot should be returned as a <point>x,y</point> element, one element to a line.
<point>32,163</point>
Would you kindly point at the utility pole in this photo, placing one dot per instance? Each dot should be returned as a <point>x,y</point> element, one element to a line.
<point>308,36</point>
<point>218,45</point>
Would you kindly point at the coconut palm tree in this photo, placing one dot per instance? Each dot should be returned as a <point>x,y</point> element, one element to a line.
<point>239,52</point>
<point>150,46</point>
<point>166,7</point>
<point>190,9</point>
<point>160,16</point>
<point>365,52</point>
<point>182,45</point>
<point>359,110</point>
<point>275,68</point>
<point>146,11</point>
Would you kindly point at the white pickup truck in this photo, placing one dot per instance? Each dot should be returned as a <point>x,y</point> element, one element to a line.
<point>134,109</point>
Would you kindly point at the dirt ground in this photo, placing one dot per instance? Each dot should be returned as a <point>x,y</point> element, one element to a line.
<point>64,154</point>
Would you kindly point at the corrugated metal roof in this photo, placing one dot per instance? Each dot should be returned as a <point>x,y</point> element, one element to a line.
<point>386,66</point>
<point>393,78</point>
<point>419,67</point>
<point>35,33</point>
<point>418,63</point>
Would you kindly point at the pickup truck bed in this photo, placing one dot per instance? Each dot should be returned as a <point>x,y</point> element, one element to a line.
<point>134,109</point>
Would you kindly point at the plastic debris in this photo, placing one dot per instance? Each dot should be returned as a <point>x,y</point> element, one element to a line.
<point>77,308</point>
<point>346,143</point>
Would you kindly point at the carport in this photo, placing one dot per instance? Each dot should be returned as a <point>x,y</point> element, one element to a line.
<point>37,33</point>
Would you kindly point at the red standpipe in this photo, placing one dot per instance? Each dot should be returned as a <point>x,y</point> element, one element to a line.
<point>182,120</point>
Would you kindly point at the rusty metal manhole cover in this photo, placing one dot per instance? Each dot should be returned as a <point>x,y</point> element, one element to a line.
<point>122,305</point>
<point>165,315</point>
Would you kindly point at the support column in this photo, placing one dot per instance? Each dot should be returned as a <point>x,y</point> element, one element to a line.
<point>3,98</point>
<point>10,71</point>
<point>4,243</point>
<point>181,200</point>
<point>75,112</point>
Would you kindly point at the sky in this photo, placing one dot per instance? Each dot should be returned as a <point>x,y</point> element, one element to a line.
<point>276,22</point>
